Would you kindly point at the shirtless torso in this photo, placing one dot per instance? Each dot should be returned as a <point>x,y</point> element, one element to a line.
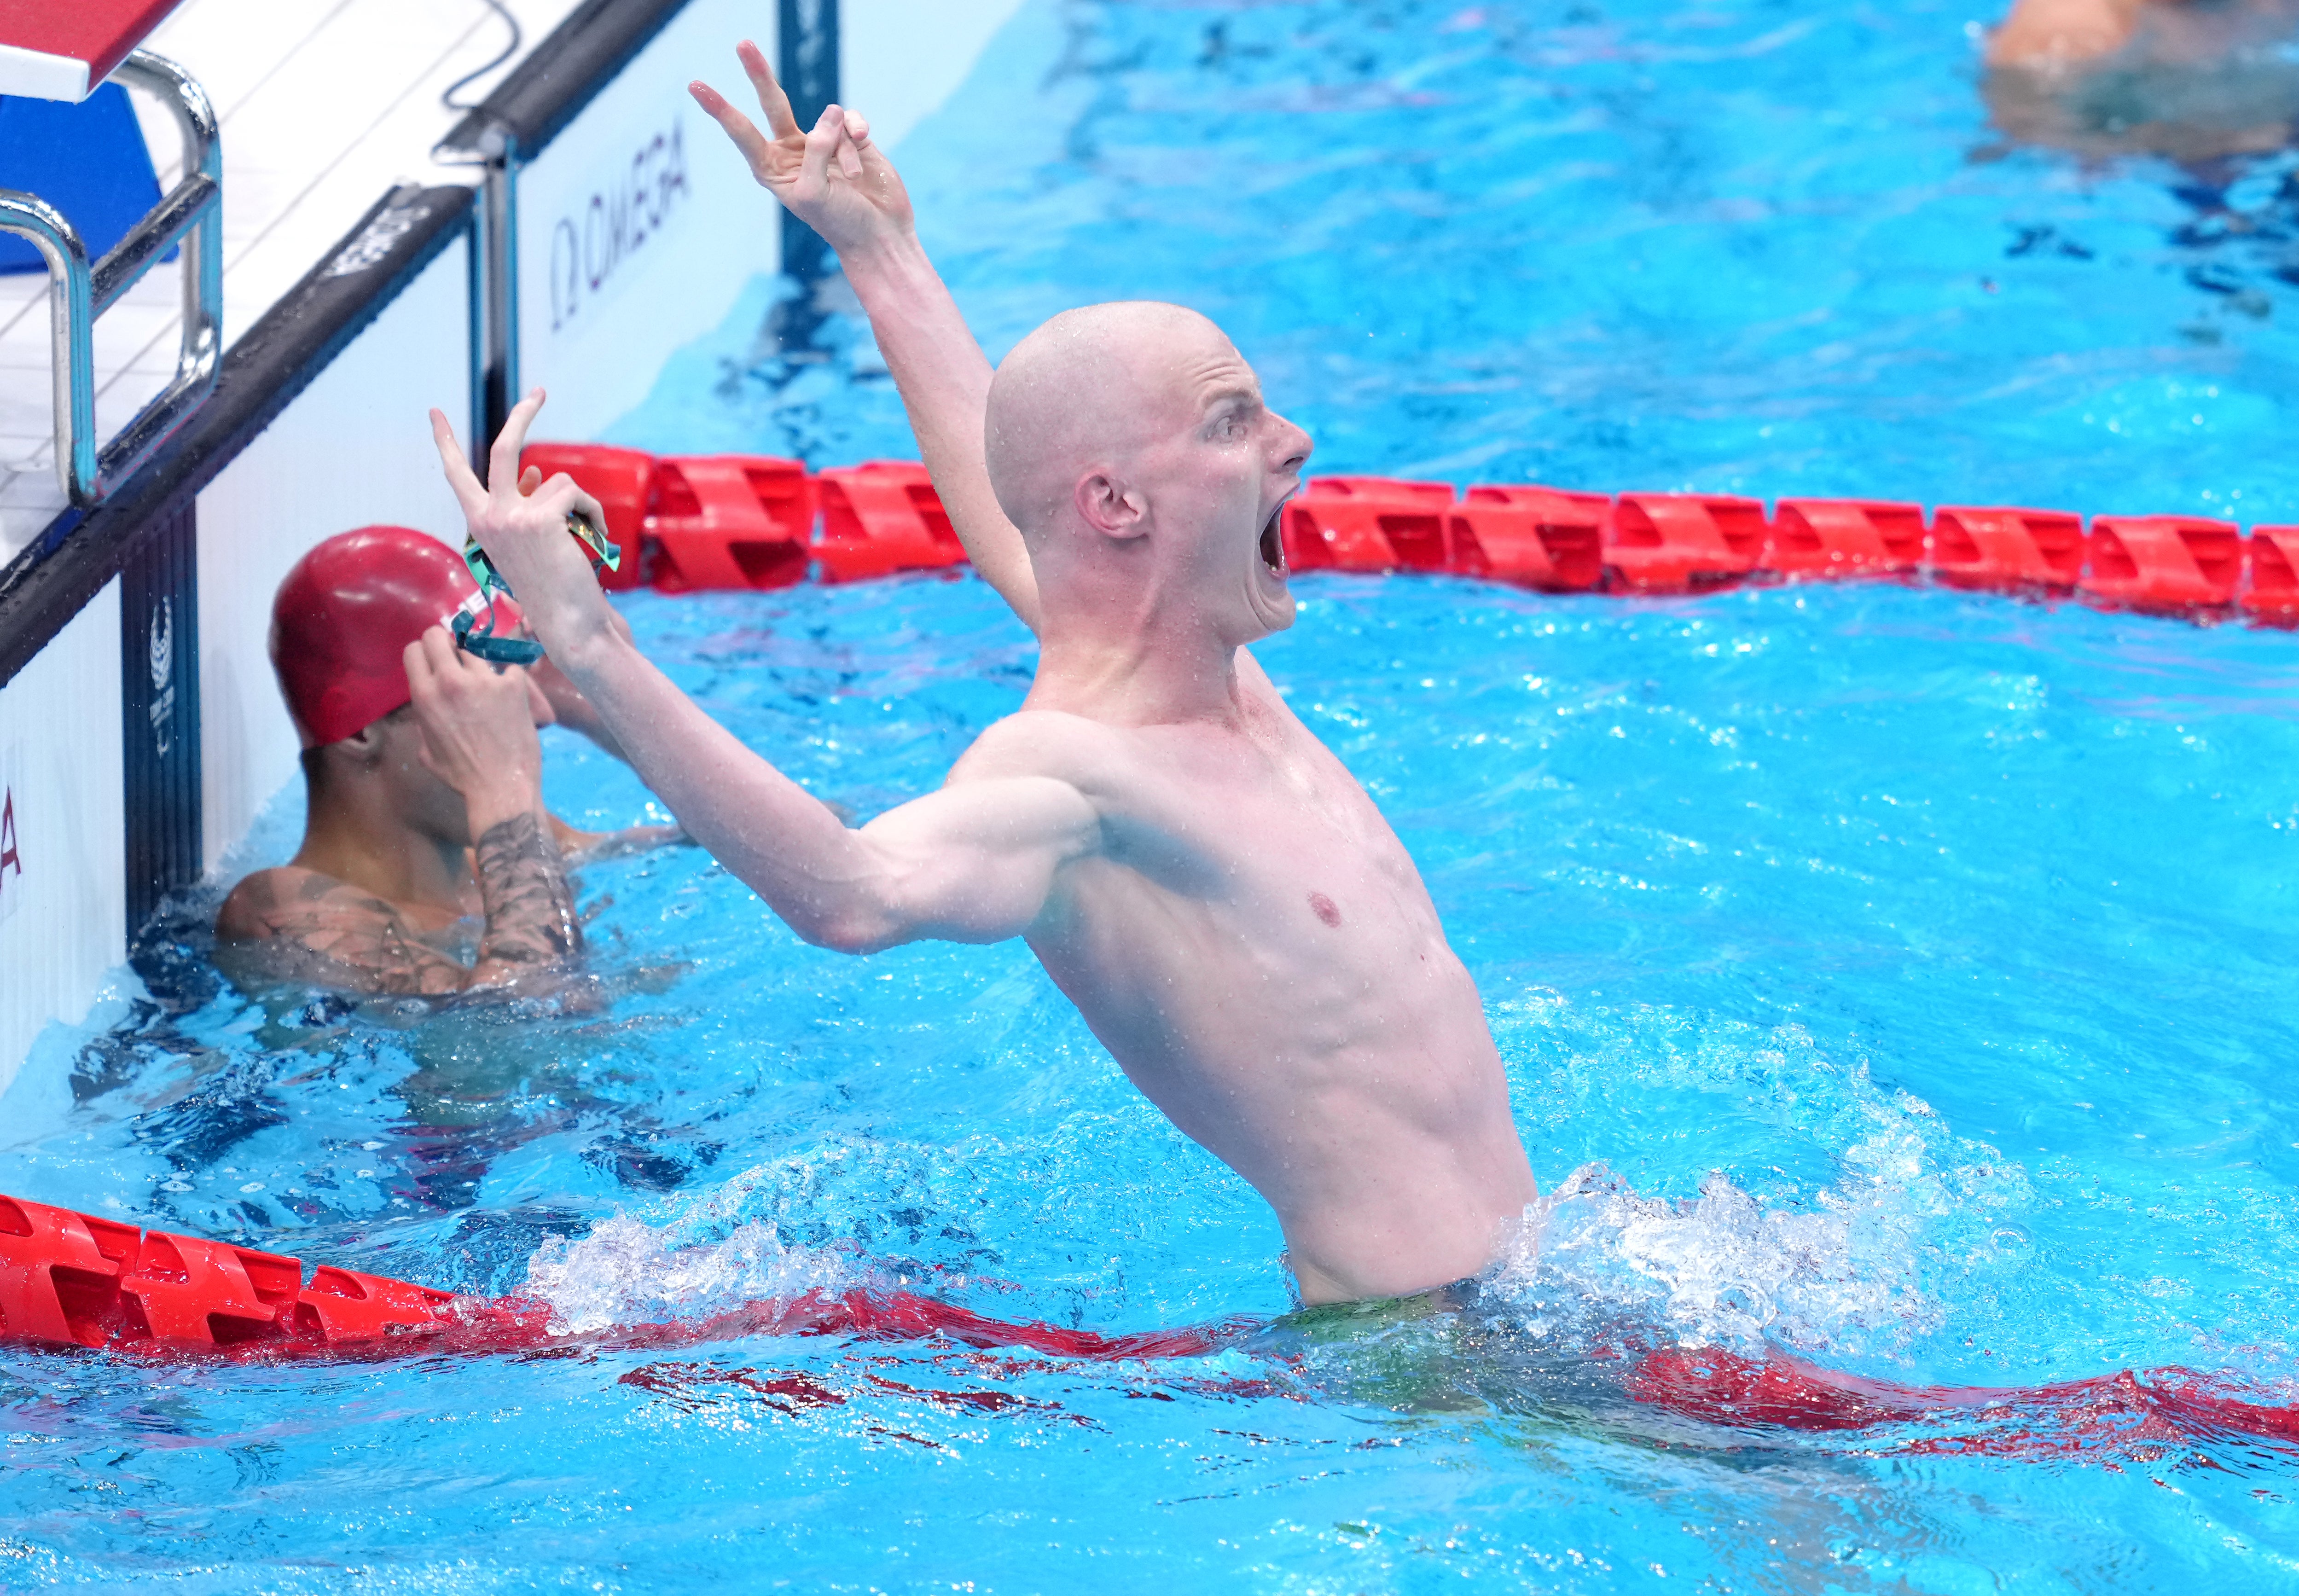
<point>1224,902</point>
<point>1255,947</point>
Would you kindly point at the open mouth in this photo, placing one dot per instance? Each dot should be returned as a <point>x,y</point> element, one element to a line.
<point>1273,543</point>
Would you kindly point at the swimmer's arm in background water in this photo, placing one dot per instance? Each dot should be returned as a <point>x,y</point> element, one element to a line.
<point>974,862</point>
<point>2041,35</point>
<point>841,185</point>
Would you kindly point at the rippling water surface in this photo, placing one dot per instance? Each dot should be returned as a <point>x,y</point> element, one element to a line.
<point>1914,967</point>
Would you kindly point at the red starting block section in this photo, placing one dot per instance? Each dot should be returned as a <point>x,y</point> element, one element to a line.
<point>1675,542</point>
<point>2162,562</point>
<point>62,49</point>
<point>623,482</point>
<point>730,521</point>
<point>2005,548</point>
<point>1844,538</point>
<point>1542,537</point>
<point>1367,524</point>
<point>882,517</point>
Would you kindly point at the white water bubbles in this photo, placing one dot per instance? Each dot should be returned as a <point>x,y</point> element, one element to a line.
<point>1718,1269</point>
<point>627,1272</point>
<point>1833,1214</point>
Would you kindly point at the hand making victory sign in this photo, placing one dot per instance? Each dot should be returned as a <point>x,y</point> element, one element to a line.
<point>833,178</point>
<point>839,183</point>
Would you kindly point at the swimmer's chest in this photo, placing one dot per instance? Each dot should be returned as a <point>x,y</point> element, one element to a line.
<point>1273,832</point>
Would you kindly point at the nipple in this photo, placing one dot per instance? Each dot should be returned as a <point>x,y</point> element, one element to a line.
<point>1323,907</point>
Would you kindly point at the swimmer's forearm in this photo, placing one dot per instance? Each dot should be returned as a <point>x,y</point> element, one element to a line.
<point>778,839</point>
<point>944,380</point>
<point>530,909</point>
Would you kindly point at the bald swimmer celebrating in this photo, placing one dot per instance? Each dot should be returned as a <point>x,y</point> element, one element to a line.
<point>1197,872</point>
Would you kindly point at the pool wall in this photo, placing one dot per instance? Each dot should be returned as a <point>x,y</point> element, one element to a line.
<point>140,729</point>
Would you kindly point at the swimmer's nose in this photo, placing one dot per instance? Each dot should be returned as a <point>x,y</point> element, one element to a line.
<point>1296,444</point>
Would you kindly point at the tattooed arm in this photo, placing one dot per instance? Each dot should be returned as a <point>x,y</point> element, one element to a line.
<point>291,924</point>
<point>530,911</point>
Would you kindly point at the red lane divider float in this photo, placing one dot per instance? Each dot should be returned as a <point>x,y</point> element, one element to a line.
<point>2041,550</point>
<point>2273,593</point>
<point>623,482</point>
<point>1845,537</point>
<point>71,1279</point>
<point>1367,524</point>
<point>1675,542</point>
<point>1535,537</point>
<point>2162,562</point>
<point>880,517</point>
<point>734,520</point>
<point>2153,1412</point>
<point>729,520</point>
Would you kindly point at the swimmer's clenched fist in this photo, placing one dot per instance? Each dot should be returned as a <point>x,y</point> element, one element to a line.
<point>1220,898</point>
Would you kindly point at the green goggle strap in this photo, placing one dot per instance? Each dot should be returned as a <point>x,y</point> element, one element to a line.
<point>518,650</point>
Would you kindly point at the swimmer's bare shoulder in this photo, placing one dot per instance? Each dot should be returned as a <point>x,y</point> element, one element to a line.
<point>1102,761</point>
<point>1053,744</point>
<point>290,923</point>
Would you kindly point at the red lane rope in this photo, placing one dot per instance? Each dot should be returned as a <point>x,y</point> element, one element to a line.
<point>70,1279</point>
<point>753,521</point>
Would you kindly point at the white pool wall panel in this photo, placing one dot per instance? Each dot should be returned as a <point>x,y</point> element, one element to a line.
<point>638,224</point>
<point>64,899</point>
<point>354,450</point>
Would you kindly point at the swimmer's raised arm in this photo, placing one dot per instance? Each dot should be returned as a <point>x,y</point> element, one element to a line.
<point>974,862</point>
<point>841,185</point>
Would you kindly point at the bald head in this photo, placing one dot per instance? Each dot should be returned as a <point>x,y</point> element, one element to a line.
<point>1087,390</point>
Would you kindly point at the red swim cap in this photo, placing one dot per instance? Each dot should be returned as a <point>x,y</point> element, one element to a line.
<point>345,615</point>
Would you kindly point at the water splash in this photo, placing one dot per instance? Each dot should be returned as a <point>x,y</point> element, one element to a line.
<point>1839,1277</point>
<point>626,1273</point>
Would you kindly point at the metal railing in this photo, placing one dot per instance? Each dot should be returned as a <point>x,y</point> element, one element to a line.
<point>191,212</point>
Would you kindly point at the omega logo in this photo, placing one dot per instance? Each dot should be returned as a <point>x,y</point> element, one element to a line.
<point>628,203</point>
<point>160,647</point>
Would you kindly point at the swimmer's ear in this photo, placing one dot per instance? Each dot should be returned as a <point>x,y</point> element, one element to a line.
<point>1110,507</point>
<point>363,749</point>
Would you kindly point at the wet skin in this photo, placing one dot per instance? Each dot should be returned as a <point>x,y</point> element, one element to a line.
<point>425,821</point>
<point>1224,902</point>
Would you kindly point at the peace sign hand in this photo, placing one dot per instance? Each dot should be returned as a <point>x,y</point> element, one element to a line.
<point>522,525</point>
<point>833,179</point>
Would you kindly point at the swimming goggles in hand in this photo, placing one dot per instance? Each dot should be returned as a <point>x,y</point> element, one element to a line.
<point>519,650</point>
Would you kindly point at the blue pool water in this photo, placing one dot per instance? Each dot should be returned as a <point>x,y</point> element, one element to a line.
<point>1916,963</point>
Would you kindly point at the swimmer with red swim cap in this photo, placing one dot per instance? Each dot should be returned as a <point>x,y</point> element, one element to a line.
<point>424,777</point>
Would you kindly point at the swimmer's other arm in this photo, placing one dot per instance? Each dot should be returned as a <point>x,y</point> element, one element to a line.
<point>841,185</point>
<point>976,861</point>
